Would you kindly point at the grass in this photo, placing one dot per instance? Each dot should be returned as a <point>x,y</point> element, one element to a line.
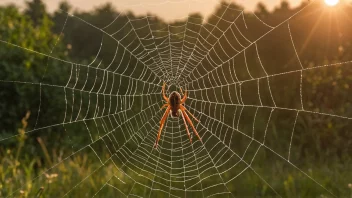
<point>17,179</point>
<point>56,173</point>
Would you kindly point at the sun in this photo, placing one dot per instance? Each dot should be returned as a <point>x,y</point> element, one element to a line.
<point>331,2</point>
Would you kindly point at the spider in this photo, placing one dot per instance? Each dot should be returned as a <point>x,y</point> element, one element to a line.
<point>175,106</point>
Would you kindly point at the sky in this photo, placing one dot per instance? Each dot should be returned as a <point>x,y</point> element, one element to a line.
<point>167,9</point>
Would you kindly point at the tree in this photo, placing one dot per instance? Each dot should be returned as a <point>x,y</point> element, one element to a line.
<point>261,11</point>
<point>59,17</point>
<point>65,6</point>
<point>285,5</point>
<point>23,64</point>
<point>36,10</point>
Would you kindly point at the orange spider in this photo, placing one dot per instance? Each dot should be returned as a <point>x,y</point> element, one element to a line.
<point>173,107</point>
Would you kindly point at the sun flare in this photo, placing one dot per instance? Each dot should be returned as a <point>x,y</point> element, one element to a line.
<point>331,2</point>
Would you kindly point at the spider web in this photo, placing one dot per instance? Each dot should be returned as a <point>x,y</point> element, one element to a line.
<point>217,66</point>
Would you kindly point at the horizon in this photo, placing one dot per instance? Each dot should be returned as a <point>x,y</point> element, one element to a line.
<point>160,8</point>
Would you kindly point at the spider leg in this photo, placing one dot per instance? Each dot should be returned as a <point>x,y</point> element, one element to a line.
<point>184,120</point>
<point>162,122</point>
<point>164,96</point>
<point>181,91</point>
<point>183,100</point>
<point>191,123</point>
<point>183,107</point>
<point>165,105</point>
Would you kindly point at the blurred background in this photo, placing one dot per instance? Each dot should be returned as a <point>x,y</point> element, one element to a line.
<point>54,110</point>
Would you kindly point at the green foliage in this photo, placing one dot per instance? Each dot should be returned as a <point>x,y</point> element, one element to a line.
<point>36,11</point>
<point>18,172</point>
<point>33,73</point>
<point>23,61</point>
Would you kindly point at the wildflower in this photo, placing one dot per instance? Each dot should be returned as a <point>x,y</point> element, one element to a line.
<point>50,177</point>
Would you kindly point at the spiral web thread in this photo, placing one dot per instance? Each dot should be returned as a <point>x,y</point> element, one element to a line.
<point>190,55</point>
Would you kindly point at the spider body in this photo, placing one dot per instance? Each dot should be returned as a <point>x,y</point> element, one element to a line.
<point>175,103</point>
<point>175,107</point>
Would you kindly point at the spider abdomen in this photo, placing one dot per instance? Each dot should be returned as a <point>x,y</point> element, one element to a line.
<point>175,102</point>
